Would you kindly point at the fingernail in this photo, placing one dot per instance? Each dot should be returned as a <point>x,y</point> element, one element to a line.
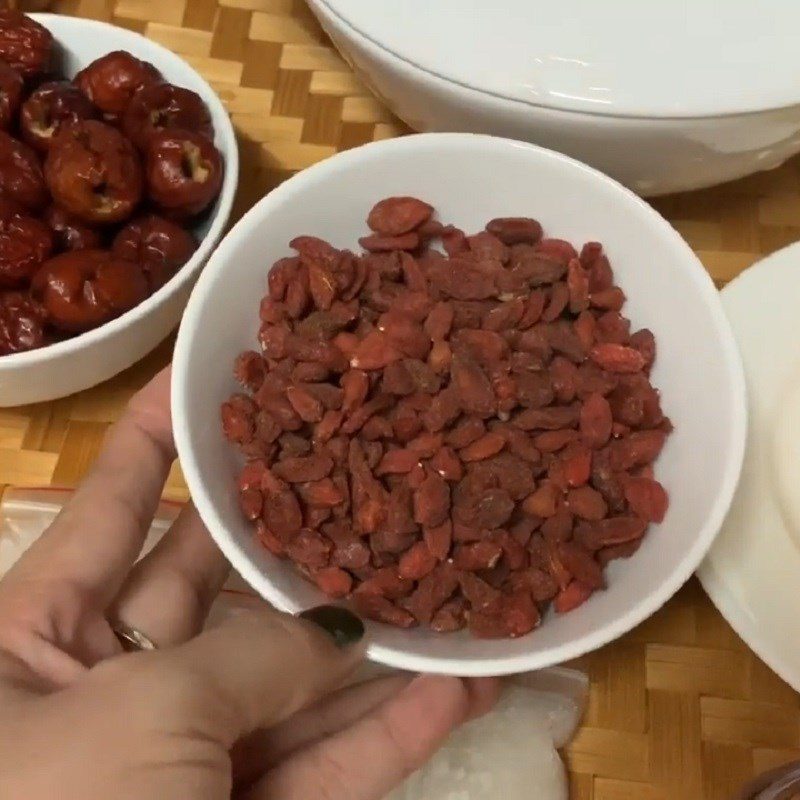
<point>343,626</point>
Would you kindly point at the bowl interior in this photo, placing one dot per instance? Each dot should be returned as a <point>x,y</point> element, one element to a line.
<point>470,179</point>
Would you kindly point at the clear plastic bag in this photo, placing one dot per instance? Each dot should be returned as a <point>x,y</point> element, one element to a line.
<point>511,753</point>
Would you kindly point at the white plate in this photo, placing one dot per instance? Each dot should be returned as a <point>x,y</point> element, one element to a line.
<point>752,571</point>
<point>684,58</point>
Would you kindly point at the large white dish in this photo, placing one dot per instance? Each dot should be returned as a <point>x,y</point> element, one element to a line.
<point>662,96</point>
<point>751,572</point>
<point>471,179</point>
<point>93,357</point>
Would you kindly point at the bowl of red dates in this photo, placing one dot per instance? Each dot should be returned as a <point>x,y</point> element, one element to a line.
<point>118,165</point>
<point>473,389</point>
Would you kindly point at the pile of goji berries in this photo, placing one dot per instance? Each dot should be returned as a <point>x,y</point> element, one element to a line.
<point>453,440</point>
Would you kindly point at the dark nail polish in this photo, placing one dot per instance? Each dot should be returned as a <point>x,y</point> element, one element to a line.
<point>343,626</point>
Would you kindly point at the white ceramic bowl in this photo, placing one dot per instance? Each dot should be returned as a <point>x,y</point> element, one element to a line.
<point>88,359</point>
<point>664,97</point>
<point>470,179</point>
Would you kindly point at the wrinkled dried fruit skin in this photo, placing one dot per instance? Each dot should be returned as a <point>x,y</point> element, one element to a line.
<point>48,109</point>
<point>111,81</point>
<point>451,441</point>
<point>159,246</point>
<point>11,86</point>
<point>183,172</point>
<point>22,323</point>
<point>93,172</point>
<point>21,178</point>
<point>69,232</point>
<point>25,45</point>
<point>162,106</point>
<point>83,289</point>
<point>25,243</point>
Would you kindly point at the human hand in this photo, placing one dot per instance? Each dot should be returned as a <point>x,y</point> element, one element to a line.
<point>251,709</point>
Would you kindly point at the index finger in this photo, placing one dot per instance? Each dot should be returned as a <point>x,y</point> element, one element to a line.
<point>99,533</point>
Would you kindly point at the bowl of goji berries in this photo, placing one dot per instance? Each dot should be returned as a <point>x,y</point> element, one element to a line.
<point>474,389</point>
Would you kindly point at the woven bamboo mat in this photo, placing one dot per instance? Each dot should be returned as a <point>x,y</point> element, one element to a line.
<point>679,708</point>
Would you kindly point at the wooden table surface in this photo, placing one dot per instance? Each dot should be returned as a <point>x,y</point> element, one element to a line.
<point>679,708</point>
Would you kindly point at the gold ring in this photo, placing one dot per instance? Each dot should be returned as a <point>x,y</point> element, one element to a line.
<point>132,641</point>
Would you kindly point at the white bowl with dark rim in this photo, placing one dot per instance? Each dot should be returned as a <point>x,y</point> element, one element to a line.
<point>92,357</point>
<point>470,179</point>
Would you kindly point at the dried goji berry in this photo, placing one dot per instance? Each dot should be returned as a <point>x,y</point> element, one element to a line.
<point>586,328</point>
<point>381,244</point>
<point>450,617</point>
<point>439,538</point>
<point>310,549</point>
<point>416,562</point>
<point>617,358</point>
<point>251,502</point>
<point>581,565</point>
<point>375,351</point>
<point>559,297</point>
<point>439,321</point>
<point>426,445</point>
<point>578,285</point>
<point>432,501</point>
<point>613,328</point>
<point>397,462</point>
<point>397,215</point>
<point>644,341</point>
<point>595,420</point>
<point>477,556</point>
<point>612,299</point>
<point>308,408</point>
<point>552,441</point>
<point>515,230</point>
<point>488,445</point>
<point>479,593</point>
<point>282,514</point>
<point>609,531</point>
<point>454,240</point>
<point>557,249</point>
<point>587,503</point>
<point>447,464</point>
<point>300,469</point>
<point>574,595</point>
<point>558,528</point>
<point>323,493</point>
<point>647,498</point>
<point>373,606</point>
<point>542,503</point>
<point>269,540</point>
<point>638,449</point>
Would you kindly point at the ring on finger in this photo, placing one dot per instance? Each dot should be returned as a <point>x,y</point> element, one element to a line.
<point>131,639</point>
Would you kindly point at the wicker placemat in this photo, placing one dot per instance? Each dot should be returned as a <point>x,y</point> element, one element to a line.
<point>679,708</point>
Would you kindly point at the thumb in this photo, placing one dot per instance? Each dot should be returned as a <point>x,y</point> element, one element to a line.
<point>253,670</point>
